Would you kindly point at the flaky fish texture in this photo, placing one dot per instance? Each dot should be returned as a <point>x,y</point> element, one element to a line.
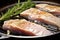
<point>49,8</point>
<point>42,16</point>
<point>25,27</point>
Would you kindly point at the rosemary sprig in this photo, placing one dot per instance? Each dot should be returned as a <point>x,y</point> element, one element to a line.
<point>17,9</point>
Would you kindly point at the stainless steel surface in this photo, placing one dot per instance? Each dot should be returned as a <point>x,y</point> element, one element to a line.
<point>7,36</point>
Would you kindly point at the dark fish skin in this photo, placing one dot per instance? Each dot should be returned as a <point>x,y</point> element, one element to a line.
<point>25,27</point>
<point>49,8</point>
<point>42,16</point>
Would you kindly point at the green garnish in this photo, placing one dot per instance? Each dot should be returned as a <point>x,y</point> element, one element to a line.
<point>17,9</point>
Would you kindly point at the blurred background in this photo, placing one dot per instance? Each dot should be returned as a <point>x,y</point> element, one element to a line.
<point>8,2</point>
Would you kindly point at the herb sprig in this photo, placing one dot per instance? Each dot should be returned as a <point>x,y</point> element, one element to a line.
<point>17,9</point>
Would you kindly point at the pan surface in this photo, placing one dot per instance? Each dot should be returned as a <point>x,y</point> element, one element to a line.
<point>3,35</point>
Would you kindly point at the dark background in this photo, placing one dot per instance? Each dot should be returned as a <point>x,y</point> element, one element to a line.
<point>7,2</point>
<point>4,3</point>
